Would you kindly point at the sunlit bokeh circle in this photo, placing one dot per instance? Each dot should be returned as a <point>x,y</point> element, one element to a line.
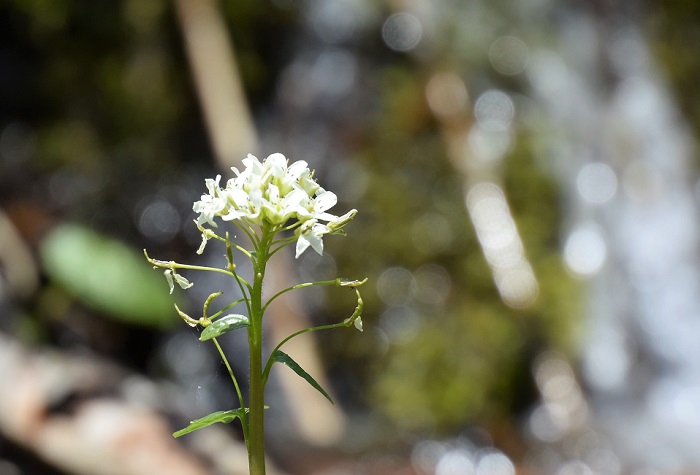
<point>489,145</point>
<point>575,467</point>
<point>495,463</point>
<point>157,219</point>
<point>402,31</point>
<point>335,21</point>
<point>518,286</point>
<point>426,454</point>
<point>543,425</point>
<point>400,323</point>
<point>509,55</point>
<point>334,72</point>
<point>455,462</point>
<point>585,251</point>
<point>494,110</point>
<point>396,286</point>
<point>596,183</point>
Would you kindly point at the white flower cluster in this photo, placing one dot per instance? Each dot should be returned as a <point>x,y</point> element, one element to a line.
<point>271,193</point>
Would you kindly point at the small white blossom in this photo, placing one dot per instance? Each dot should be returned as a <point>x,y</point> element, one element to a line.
<point>211,204</point>
<point>311,234</point>
<point>272,192</point>
<point>173,277</point>
<point>358,323</point>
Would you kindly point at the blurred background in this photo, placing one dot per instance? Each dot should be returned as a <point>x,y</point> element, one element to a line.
<point>526,175</point>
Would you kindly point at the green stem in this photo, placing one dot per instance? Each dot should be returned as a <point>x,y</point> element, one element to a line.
<point>256,416</point>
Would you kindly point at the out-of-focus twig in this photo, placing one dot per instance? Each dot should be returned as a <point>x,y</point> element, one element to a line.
<point>16,260</point>
<point>216,76</point>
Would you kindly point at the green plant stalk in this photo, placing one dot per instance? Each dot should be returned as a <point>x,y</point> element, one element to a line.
<point>256,416</point>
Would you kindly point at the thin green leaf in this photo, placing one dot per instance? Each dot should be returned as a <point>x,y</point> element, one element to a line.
<point>285,359</point>
<point>225,417</point>
<point>224,325</point>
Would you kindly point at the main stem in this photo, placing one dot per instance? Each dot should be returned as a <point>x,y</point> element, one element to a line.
<point>256,416</point>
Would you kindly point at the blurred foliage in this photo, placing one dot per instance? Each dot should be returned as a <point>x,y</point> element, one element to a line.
<point>107,275</point>
<point>674,26</point>
<point>462,360</point>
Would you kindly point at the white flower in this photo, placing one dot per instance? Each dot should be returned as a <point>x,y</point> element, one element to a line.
<point>207,234</point>
<point>311,234</point>
<point>307,182</point>
<point>358,323</point>
<point>212,204</point>
<point>279,211</point>
<point>273,193</point>
<point>171,275</point>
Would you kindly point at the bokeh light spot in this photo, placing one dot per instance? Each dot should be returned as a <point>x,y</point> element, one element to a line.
<point>334,72</point>
<point>455,462</point>
<point>402,31</point>
<point>335,21</point>
<point>643,181</point>
<point>157,219</point>
<point>431,233</point>
<point>495,463</point>
<point>433,284</point>
<point>494,110</point>
<point>426,454</point>
<point>596,183</point>
<point>400,323</point>
<point>488,145</point>
<point>501,244</point>
<point>607,362</point>
<point>574,467</point>
<point>543,425</point>
<point>518,287</point>
<point>396,286</point>
<point>585,251</point>
<point>509,55</point>
<point>447,95</point>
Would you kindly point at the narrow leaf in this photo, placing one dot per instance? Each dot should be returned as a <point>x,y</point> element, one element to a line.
<point>225,417</point>
<point>285,359</point>
<point>224,325</point>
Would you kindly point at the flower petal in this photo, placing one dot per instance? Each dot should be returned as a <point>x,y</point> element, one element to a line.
<point>296,169</point>
<point>169,277</point>
<point>302,245</point>
<point>181,281</point>
<point>324,201</point>
<point>277,162</point>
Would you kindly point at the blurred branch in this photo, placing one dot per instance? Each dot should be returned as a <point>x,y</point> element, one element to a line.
<point>16,259</point>
<point>216,76</point>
